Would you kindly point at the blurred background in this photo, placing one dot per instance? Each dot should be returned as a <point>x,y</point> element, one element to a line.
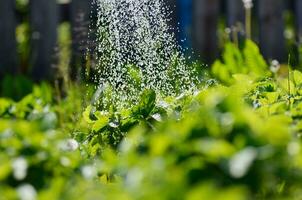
<point>48,39</point>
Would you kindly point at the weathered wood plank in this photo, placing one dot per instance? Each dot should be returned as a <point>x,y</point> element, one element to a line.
<point>236,20</point>
<point>8,56</point>
<point>64,12</point>
<point>79,15</point>
<point>205,20</point>
<point>272,42</point>
<point>235,12</point>
<point>298,6</point>
<point>43,21</point>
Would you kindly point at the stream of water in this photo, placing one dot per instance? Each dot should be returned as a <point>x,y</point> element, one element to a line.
<point>137,50</point>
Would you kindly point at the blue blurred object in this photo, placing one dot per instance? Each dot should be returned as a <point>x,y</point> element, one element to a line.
<point>185,22</point>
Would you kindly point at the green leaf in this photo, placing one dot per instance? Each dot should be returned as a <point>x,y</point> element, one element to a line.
<point>43,91</point>
<point>135,75</point>
<point>5,168</point>
<point>221,72</point>
<point>127,124</point>
<point>272,97</point>
<point>146,105</point>
<point>297,76</point>
<point>88,115</point>
<point>100,123</point>
<point>254,61</point>
<point>233,59</point>
<point>5,104</point>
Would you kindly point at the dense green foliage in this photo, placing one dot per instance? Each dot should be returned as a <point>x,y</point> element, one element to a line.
<point>237,137</point>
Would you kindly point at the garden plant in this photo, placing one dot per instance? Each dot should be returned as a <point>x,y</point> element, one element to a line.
<point>230,131</point>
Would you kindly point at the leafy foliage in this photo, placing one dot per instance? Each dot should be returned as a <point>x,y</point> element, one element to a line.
<point>223,145</point>
<point>240,139</point>
<point>248,61</point>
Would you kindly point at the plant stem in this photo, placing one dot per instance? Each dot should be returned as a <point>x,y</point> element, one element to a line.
<point>248,23</point>
<point>288,78</point>
<point>300,51</point>
<point>235,36</point>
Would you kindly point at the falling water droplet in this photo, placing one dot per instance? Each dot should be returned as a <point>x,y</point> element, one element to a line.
<point>137,33</point>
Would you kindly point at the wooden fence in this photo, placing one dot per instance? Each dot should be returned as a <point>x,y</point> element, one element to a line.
<point>268,26</point>
<point>44,18</point>
<point>45,15</point>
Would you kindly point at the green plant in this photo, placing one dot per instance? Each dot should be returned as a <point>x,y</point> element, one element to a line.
<point>235,138</point>
<point>236,61</point>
